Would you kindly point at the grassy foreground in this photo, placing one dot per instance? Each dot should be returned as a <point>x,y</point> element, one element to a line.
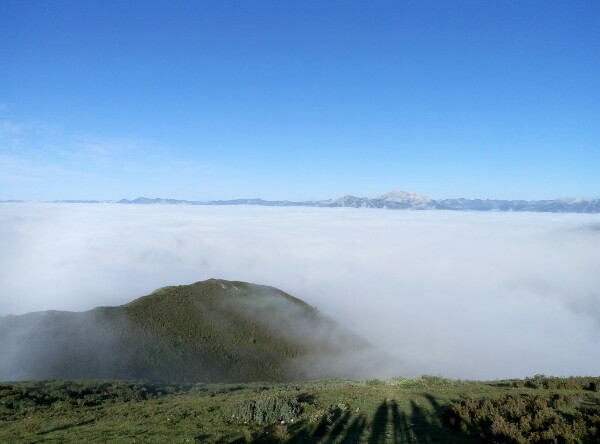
<point>426,409</point>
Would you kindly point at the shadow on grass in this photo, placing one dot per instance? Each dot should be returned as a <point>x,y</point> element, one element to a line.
<point>389,425</point>
<point>337,426</point>
<point>422,423</point>
<point>66,426</point>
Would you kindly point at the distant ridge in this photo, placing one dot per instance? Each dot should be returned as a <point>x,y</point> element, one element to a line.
<point>394,200</point>
<point>255,201</point>
<point>402,200</point>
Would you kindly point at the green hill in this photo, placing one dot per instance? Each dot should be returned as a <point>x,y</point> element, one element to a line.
<point>211,331</point>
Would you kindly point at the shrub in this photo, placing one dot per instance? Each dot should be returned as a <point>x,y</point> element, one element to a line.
<point>553,382</point>
<point>374,382</point>
<point>559,400</point>
<point>524,419</point>
<point>267,409</point>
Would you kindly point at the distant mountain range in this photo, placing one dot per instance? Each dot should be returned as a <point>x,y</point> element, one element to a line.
<point>394,200</point>
<point>210,331</point>
<point>402,200</point>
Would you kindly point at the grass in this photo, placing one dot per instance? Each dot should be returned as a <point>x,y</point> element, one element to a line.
<point>327,411</point>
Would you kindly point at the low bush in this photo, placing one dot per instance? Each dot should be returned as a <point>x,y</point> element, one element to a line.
<point>591,383</point>
<point>524,419</point>
<point>562,400</point>
<point>267,408</point>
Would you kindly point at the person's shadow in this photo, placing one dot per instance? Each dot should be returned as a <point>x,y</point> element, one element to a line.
<point>422,424</point>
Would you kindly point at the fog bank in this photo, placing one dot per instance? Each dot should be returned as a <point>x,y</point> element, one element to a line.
<point>464,295</point>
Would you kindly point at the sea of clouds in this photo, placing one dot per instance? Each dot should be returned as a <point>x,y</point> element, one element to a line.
<point>461,294</point>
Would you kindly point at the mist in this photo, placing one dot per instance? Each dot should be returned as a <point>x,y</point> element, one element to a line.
<point>464,295</point>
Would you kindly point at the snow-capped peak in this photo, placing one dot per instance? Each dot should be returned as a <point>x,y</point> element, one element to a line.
<point>404,196</point>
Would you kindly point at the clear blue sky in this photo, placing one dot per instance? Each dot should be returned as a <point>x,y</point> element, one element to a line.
<point>299,99</point>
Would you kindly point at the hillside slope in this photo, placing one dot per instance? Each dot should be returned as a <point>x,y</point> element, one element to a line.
<point>211,331</point>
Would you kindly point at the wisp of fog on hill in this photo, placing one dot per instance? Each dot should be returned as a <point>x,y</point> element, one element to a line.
<point>461,294</point>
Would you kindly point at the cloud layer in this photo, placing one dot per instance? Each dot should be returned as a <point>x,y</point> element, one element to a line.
<point>464,295</point>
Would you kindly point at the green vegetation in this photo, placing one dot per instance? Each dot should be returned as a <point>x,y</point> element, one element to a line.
<point>211,331</point>
<point>528,418</point>
<point>426,409</point>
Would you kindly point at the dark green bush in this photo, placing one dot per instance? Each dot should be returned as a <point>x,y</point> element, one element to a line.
<point>561,400</point>
<point>267,408</point>
<point>554,383</point>
<point>524,419</point>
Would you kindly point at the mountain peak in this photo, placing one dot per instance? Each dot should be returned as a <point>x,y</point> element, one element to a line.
<point>399,196</point>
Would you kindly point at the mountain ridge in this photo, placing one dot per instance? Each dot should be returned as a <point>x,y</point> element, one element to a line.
<point>403,200</point>
<point>393,200</point>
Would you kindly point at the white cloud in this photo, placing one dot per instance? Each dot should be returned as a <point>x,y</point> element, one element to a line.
<point>466,295</point>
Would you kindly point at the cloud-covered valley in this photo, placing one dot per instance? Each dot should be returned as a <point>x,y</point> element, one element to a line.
<point>461,294</point>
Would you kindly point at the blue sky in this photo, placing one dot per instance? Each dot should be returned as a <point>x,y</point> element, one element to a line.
<point>299,99</point>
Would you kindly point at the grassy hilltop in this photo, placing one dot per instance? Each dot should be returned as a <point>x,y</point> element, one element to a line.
<point>211,331</point>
